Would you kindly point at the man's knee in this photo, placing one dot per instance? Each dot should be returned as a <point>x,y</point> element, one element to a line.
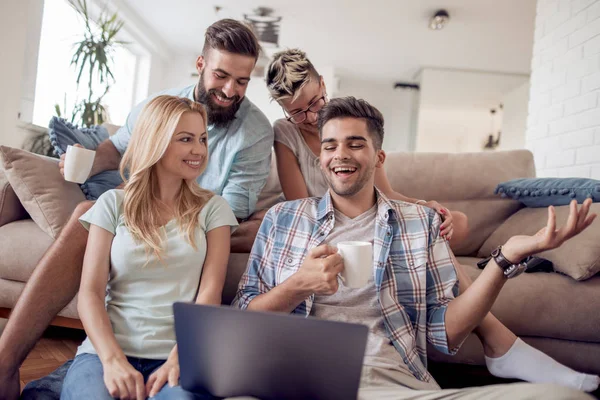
<point>460,220</point>
<point>461,227</point>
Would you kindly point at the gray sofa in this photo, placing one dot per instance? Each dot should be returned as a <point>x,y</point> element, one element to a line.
<point>551,311</point>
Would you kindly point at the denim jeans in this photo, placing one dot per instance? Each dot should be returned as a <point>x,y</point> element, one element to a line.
<point>84,378</point>
<point>48,387</point>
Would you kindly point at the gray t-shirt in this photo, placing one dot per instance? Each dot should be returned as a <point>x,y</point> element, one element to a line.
<point>288,134</point>
<point>140,296</point>
<point>361,306</point>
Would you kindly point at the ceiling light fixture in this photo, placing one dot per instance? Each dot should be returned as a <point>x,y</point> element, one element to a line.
<point>439,20</point>
<point>266,26</point>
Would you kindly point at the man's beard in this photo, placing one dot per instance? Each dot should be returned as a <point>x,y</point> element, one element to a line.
<point>217,115</point>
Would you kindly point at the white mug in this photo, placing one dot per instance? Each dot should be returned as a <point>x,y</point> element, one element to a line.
<point>358,263</point>
<point>78,164</point>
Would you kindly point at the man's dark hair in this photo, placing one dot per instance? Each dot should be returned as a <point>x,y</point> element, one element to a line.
<point>351,107</point>
<point>231,36</point>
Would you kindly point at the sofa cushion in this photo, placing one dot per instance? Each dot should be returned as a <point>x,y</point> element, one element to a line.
<point>579,257</point>
<point>11,208</point>
<point>235,270</point>
<point>465,176</point>
<point>544,192</point>
<point>62,134</point>
<point>18,257</point>
<point>43,192</point>
<point>546,304</point>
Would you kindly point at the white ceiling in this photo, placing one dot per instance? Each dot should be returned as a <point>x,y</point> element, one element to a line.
<point>386,39</point>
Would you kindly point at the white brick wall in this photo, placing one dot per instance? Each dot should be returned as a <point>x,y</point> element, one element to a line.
<point>563,127</point>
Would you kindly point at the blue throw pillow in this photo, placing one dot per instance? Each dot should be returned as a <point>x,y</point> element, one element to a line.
<point>63,133</point>
<point>544,192</point>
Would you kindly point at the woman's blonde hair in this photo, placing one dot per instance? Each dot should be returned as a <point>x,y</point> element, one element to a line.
<point>149,141</point>
<point>289,71</point>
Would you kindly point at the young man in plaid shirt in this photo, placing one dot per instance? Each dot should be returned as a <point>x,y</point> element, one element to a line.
<point>411,298</point>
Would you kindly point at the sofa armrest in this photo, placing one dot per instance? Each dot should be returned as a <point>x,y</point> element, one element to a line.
<point>579,257</point>
<point>11,208</point>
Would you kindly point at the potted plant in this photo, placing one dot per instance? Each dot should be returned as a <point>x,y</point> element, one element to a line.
<point>93,57</point>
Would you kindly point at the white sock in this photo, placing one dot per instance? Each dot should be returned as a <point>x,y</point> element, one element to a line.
<point>527,363</point>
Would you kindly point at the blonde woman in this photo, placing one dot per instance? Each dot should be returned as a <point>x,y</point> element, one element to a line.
<point>151,241</point>
<point>295,84</point>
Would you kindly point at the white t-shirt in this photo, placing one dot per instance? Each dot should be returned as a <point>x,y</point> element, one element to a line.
<point>139,299</point>
<point>361,306</point>
<point>289,135</point>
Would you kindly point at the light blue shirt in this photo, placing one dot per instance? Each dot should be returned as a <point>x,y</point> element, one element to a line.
<point>239,153</point>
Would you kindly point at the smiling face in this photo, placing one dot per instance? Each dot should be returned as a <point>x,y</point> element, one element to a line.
<point>186,155</point>
<point>348,156</point>
<point>223,82</point>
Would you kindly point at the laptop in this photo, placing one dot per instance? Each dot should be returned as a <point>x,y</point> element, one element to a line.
<point>229,352</point>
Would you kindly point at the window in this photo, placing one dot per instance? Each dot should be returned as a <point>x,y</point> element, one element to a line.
<point>55,83</point>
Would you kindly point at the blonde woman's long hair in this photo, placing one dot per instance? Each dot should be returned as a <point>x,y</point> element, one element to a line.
<point>149,141</point>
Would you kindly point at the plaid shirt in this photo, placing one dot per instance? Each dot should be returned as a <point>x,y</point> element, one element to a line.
<point>413,270</point>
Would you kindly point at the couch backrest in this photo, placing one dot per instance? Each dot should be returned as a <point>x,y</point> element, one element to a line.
<point>463,176</point>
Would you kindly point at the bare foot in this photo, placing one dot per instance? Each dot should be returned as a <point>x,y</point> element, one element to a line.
<point>10,386</point>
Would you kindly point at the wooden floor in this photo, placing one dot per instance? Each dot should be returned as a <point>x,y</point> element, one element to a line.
<point>57,346</point>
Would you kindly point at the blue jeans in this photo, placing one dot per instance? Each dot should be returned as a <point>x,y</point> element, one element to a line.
<point>85,380</point>
<point>48,387</point>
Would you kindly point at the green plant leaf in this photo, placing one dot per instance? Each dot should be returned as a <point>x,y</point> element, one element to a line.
<point>81,67</point>
<point>94,55</point>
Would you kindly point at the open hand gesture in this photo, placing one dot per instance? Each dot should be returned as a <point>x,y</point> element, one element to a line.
<point>548,238</point>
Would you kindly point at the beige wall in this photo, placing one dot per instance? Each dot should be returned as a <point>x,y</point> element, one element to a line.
<point>454,109</point>
<point>455,130</point>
